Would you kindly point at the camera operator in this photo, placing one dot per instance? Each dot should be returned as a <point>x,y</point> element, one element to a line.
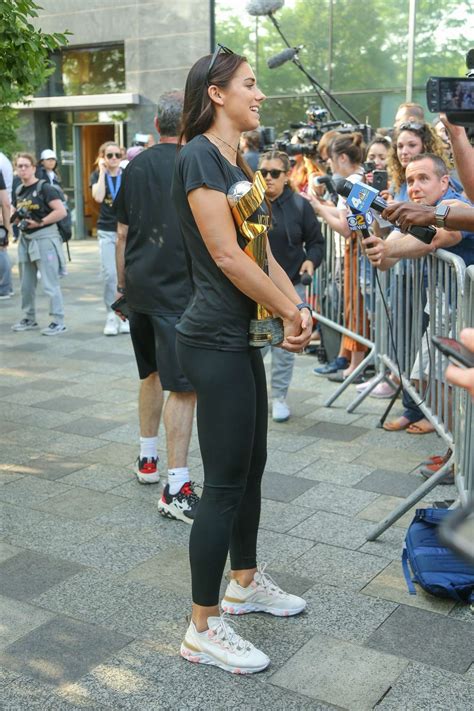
<point>5,266</point>
<point>38,209</point>
<point>377,153</point>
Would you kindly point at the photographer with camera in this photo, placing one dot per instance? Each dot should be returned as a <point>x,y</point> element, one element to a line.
<point>6,290</point>
<point>38,209</point>
<point>298,246</point>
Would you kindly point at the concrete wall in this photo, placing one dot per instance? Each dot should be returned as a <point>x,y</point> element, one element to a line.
<point>162,40</point>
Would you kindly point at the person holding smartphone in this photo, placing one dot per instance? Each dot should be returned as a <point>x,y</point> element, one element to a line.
<point>463,377</point>
<point>105,184</point>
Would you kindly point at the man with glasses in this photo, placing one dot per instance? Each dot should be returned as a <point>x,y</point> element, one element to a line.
<point>153,277</point>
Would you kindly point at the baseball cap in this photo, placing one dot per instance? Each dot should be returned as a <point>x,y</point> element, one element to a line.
<point>48,153</point>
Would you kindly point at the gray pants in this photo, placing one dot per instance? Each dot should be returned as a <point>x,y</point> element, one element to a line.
<point>5,272</point>
<point>48,266</point>
<point>282,362</point>
<point>107,242</point>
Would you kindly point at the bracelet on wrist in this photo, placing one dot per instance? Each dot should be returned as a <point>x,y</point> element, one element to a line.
<point>121,289</point>
<point>304,305</point>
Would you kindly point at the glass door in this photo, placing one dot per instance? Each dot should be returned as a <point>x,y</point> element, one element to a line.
<point>66,147</point>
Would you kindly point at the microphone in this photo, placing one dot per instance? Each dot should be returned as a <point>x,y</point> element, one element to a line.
<point>263,7</point>
<point>328,183</point>
<point>425,234</point>
<point>286,55</point>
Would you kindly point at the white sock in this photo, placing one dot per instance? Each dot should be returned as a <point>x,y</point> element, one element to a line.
<point>176,478</point>
<point>149,447</point>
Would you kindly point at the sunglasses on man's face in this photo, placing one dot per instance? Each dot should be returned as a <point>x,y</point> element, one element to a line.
<point>112,155</point>
<point>411,126</point>
<point>220,49</point>
<point>274,172</point>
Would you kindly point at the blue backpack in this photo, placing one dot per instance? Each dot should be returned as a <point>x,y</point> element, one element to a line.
<point>434,566</point>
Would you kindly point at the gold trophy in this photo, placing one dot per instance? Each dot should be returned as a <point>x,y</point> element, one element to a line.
<point>246,200</point>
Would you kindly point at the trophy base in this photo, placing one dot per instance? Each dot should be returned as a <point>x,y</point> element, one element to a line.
<point>265,332</point>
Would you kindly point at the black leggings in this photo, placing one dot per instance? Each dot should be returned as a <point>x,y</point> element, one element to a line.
<point>232,428</point>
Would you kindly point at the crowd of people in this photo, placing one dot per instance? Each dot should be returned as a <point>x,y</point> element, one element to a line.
<point>178,277</point>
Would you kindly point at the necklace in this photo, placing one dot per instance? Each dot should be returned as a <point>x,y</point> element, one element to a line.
<point>222,140</point>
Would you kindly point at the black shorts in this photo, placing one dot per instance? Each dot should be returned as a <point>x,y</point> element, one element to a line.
<point>154,343</point>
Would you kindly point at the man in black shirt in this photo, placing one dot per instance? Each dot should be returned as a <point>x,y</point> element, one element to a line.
<point>153,275</point>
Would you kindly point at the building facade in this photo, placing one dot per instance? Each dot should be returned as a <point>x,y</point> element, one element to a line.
<point>122,54</point>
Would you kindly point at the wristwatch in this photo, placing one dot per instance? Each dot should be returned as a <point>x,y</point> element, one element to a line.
<point>304,305</point>
<point>441,213</point>
<point>121,289</point>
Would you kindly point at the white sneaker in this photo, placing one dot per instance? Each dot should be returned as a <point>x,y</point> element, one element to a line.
<point>222,647</point>
<point>124,326</point>
<point>262,595</point>
<point>111,327</point>
<point>54,329</point>
<point>280,410</point>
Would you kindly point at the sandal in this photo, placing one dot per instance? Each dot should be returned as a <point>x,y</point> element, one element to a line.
<point>401,423</point>
<point>420,428</point>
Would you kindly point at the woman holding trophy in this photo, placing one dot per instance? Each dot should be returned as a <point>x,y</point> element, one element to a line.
<point>242,300</point>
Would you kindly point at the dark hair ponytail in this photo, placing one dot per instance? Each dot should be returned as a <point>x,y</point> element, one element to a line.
<point>198,109</point>
<point>352,144</point>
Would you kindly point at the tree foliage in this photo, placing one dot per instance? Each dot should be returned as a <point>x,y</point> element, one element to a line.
<point>24,60</point>
<point>369,52</point>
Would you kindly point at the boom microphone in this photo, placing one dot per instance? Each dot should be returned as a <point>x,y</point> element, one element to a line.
<point>264,7</point>
<point>425,234</point>
<point>286,55</point>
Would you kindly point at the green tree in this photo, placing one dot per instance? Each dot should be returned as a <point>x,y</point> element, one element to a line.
<point>24,61</point>
<point>368,52</point>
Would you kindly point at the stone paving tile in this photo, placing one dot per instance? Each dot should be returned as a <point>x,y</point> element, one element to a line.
<point>168,570</point>
<point>80,504</point>
<point>329,414</point>
<point>384,481</point>
<point>333,529</point>
<point>92,595</point>
<point>9,475</point>
<point>464,613</point>
<point>344,568</point>
<point>383,505</point>
<point>31,491</point>
<point>390,584</point>
<point>388,545</point>
<point>372,456</point>
<point>401,634</point>
<point>340,673</point>
<point>111,553</point>
<point>422,688</point>
<point>25,693</point>
<point>13,519</point>
<point>99,477</point>
<point>48,419</point>
<point>72,445</point>
<point>128,433</point>
<point>6,677</point>
<point>46,384</point>
<point>133,516</point>
<point>87,426</point>
<point>138,678</point>
<point>281,487</point>
<point>289,463</point>
<point>32,437</point>
<point>48,466</point>
<point>62,650</point>
<point>333,430</point>
<point>28,574</point>
<point>19,618</point>
<point>277,516</point>
<point>119,454</point>
<point>279,548</point>
<point>335,472</point>
<point>336,499</point>
<point>7,551</point>
<point>65,403</point>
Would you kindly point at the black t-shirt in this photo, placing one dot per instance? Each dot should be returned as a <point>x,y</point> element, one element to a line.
<point>2,182</point>
<point>156,274</point>
<point>36,202</point>
<point>107,219</point>
<point>218,314</point>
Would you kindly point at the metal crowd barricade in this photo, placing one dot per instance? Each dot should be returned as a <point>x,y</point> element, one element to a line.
<point>464,454</point>
<point>426,297</point>
<point>343,298</point>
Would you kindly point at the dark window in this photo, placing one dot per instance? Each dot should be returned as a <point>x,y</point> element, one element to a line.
<point>87,70</point>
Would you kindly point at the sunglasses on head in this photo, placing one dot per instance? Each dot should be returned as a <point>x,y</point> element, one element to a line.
<point>411,126</point>
<point>273,172</point>
<point>112,155</point>
<point>220,49</point>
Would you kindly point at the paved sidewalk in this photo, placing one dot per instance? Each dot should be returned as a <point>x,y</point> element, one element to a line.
<point>95,584</point>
